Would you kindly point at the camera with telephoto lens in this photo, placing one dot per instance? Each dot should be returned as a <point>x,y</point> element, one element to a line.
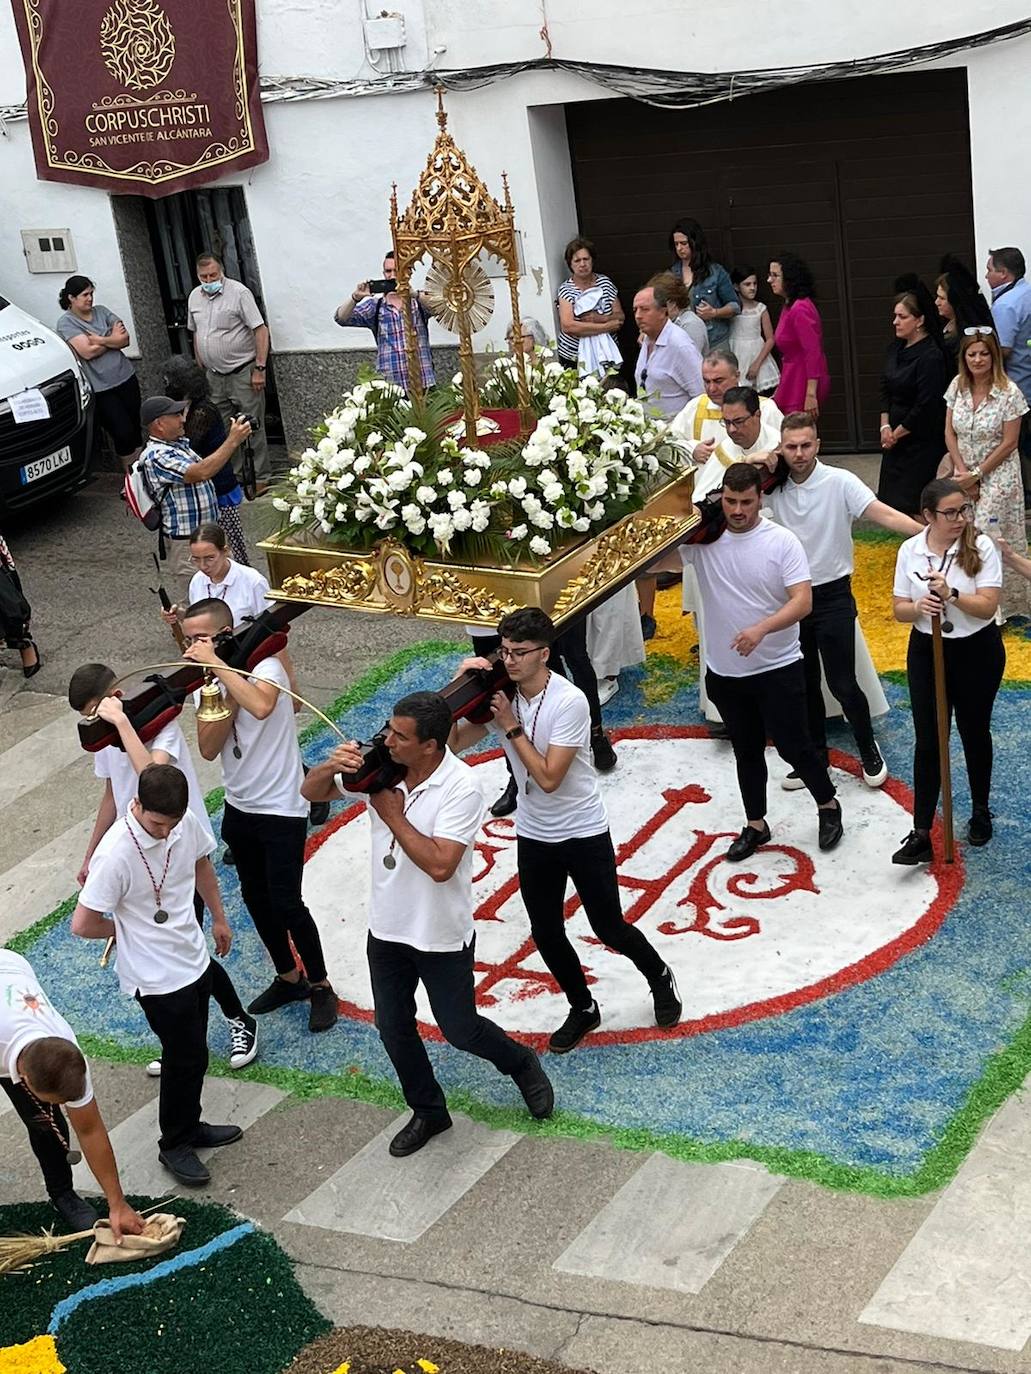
<point>251,420</point>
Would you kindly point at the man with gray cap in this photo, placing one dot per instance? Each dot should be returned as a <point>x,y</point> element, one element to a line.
<point>178,480</point>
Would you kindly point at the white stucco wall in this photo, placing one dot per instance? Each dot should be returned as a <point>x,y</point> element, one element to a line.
<point>319,207</point>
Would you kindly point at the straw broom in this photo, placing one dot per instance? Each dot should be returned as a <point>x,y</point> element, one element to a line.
<point>22,1252</point>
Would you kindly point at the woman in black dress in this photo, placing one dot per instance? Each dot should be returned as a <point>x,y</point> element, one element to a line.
<point>960,306</point>
<point>912,402</point>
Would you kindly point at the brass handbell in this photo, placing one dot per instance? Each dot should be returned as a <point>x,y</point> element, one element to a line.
<point>212,707</point>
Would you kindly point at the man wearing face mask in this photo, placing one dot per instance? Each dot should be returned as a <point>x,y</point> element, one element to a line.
<point>231,343</point>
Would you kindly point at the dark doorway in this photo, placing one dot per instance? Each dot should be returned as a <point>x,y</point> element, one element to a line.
<point>183,225</point>
<point>865,179</point>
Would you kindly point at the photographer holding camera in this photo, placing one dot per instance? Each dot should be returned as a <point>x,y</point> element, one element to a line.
<point>376,305</point>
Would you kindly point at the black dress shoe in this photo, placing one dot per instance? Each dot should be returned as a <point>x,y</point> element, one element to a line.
<point>508,801</point>
<point>831,827</point>
<point>916,849</point>
<point>602,752</point>
<point>207,1137</point>
<point>318,813</point>
<point>183,1163</point>
<point>535,1086</point>
<point>280,993</point>
<point>573,1029</point>
<point>74,1211</point>
<point>717,730</point>
<point>418,1131</point>
<point>979,826</point>
<point>748,842</point>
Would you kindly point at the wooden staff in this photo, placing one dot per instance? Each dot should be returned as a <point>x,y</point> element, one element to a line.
<point>942,711</point>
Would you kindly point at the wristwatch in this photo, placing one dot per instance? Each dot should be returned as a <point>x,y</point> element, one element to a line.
<point>258,367</point>
<point>514,733</point>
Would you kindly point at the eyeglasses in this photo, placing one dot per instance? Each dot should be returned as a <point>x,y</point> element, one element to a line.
<point>736,424</point>
<point>519,653</point>
<point>978,329</point>
<point>963,512</point>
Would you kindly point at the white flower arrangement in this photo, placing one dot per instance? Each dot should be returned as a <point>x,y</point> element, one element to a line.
<point>378,467</point>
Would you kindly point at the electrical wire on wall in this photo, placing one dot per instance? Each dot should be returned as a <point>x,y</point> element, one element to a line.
<point>652,86</point>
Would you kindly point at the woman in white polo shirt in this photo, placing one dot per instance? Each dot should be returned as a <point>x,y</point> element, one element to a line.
<point>561,825</point>
<point>243,589</point>
<point>955,573</point>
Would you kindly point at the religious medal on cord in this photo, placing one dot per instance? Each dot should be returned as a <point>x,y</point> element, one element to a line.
<point>160,915</point>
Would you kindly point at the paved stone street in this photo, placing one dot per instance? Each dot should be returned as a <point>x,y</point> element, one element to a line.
<point>606,1259</point>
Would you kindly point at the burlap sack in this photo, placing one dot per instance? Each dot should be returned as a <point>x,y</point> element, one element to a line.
<point>161,1233</point>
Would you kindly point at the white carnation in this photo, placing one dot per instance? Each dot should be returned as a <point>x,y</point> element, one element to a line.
<point>539,546</point>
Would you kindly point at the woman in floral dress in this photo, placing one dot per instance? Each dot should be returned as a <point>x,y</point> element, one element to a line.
<point>981,431</point>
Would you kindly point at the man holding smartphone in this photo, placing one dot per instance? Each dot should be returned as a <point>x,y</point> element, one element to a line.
<point>377,305</point>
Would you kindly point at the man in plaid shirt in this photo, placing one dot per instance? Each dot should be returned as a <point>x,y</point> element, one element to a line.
<point>384,315</point>
<point>180,481</point>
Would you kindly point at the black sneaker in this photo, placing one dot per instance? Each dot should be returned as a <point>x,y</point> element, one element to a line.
<point>535,1086</point>
<point>602,752</point>
<point>648,627</point>
<point>916,849</point>
<point>280,993</point>
<point>243,1040</point>
<point>208,1137</point>
<point>792,783</point>
<point>666,997</point>
<point>324,1009</point>
<point>831,827</point>
<point>74,1211</point>
<point>875,770</point>
<point>979,826</point>
<point>717,730</point>
<point>573,1029</point>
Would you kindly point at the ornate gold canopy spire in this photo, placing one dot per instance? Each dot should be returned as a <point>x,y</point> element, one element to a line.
<point>452,217</point>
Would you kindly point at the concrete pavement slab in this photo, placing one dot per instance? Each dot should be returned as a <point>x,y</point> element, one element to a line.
<point>376,1195</point>
<point>672,1224</point>
<point>44,878</point>
<point>36,757</point>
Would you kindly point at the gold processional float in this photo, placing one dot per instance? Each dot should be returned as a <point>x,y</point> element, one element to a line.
<point>453,218</point>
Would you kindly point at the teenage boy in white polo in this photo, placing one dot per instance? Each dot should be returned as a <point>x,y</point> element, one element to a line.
<point>144,872</point>
<point>562,827</point>
<point>120,768</point>
<point>266,819</point>
<point>41,1070</point>
<point>420,913</point>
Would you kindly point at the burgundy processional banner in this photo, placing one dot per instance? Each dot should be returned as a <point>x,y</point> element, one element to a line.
<point>141,97</point>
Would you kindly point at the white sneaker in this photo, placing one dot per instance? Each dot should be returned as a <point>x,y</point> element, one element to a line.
<point>607,689</point>
<point>243,1041</point>
<point>792,783</point>
<point>154,1068</point>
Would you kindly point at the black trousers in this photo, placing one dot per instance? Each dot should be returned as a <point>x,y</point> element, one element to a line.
<point>48,1149</point>
<point>396,970</point>
<point>180,1021</point>
<point>768,705</point>
<point>828,635</point>
<point>269,853</point>
<point>590,862</point>
<point>569,657</point>
<point>222,989</point>
<point>973,671</point>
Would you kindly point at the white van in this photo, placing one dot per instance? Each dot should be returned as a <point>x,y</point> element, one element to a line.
<point>46,413</point>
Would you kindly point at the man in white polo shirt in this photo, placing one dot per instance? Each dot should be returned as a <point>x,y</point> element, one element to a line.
<point>754,587</point>
<point>561,824</point>
<point>144,872</point>
<point>420,913</point>
<point>265,821</point>
<point>120,768</point>
<point>41,1070</point>
<point>819,504</point>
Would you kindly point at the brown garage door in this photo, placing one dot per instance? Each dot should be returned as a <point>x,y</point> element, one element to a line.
<point>866,179</point>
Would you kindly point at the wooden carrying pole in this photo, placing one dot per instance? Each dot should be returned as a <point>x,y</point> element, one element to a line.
<point>941,710</point>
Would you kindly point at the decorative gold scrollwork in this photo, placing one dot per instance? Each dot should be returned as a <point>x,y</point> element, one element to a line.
<point>443,593</point>
<point>623,547</point>
<point>348,582</point>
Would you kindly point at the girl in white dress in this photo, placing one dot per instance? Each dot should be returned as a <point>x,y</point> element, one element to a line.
<point>751,335</point>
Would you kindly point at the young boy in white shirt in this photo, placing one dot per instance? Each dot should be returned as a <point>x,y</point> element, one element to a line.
<point>120,767</point>
<point>144,872</point>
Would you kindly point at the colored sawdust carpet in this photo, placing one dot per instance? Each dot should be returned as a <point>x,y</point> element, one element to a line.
<point>368,1350</point>
<point>225,1298</point>
<point>845,1019</point>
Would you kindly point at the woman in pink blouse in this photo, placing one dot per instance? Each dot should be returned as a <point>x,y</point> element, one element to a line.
<point>804,377</point>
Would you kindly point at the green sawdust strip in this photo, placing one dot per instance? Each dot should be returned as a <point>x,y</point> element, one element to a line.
<point>25,939</point>
<point>665,675</point>
<point>370,1350</point>
<point>241,1312</point>
<point>1003,1074</point>
<point>28,1299</point>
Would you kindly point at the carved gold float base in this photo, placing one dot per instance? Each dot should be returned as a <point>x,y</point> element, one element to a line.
<point>388,578</point>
